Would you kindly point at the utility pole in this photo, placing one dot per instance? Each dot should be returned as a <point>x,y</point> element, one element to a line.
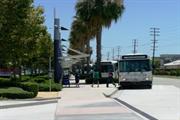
<point>154,32</point>
<point>119,48</point>
<point>107,55</point>
<point>50,73</point>
<point>113,54</point>
<point>134,46</point>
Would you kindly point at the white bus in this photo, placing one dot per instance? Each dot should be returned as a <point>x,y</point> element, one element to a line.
<point>109,67</point>
<point>135,69</point>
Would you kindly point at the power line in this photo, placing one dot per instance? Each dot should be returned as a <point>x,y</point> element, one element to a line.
<point>154,32</point>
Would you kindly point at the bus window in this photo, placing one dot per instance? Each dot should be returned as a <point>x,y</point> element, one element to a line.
<point>134,66</point>
<point>106,68</point>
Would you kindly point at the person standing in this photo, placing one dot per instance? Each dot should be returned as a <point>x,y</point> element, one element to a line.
<point>110,79</point>
<point>77,79</point>
<point>96,77</point>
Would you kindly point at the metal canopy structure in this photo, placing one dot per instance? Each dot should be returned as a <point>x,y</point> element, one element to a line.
<point>68,61</point>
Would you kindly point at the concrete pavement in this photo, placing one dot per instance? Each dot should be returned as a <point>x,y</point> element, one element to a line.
<point>166,81</point>
<point>28,109</point>
<point>87,103</point>
<point>162,102</point>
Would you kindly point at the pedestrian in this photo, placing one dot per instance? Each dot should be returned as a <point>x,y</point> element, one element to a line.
<point>110,80</point>
<point>77,79</point>
<point>96,77</point>
<point>66,81</point>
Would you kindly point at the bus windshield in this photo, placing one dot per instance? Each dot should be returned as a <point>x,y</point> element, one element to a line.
<point>106,68</point>
<point>134,66</point>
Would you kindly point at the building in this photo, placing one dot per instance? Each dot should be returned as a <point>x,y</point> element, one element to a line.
<point>167,58</point>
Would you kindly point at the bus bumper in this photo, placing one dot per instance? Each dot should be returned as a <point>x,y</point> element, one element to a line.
<point>136,84</point>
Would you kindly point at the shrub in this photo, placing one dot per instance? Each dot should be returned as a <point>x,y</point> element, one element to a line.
<point>5,82</point>
<point>43,87</point>
<point>178,73</point>
<point>30,87</point>
<point>39,80</point>
<point>173,73</point>
<point>25,78</point>
<point>14,93</point>
<point>54,87</point>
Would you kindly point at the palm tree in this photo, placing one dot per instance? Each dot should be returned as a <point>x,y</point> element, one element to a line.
<point>99,14</point>
<point>80,34</point>
<point>80,37</point>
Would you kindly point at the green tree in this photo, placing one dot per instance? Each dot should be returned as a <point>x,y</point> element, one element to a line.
<point>13,15</point>
<point>36,33</point>
<point>23,37</point>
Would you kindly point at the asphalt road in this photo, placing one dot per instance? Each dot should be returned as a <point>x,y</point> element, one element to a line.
<point>166,81</point>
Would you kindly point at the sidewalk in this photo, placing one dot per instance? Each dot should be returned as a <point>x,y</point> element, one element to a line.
<point>87,103</point>
<point>42,98</point>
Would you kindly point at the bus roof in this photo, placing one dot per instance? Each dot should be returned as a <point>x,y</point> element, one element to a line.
<point>134,56</point>
<point>112,61</point>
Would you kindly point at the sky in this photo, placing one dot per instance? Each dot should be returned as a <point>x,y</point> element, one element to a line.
<point>139,16</point>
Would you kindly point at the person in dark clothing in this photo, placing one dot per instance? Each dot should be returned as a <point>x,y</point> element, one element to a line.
<point>77,79</point>
<point>110,79</point>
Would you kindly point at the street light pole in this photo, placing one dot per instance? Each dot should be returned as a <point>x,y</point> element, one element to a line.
<point>50,74</point>
<point>57,51</point>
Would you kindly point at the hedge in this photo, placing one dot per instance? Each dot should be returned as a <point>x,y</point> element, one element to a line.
<point>36,84</point>
<point>27,86</point>
<point>5,82</point>
<point>54,87</point>
<point>39,80</point>
<point>15,93</point>
<point>172,72</point>
<point>25,78</point>
<point>30,87</point>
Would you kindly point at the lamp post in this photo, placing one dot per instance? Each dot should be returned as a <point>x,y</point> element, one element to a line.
<point>57,50</point>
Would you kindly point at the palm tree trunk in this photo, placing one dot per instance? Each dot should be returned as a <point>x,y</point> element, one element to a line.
<point>98,48</point>
<point>88,58</point>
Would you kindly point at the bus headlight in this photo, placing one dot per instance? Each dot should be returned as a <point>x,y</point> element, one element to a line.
<point>123,79</point>
<point>148,78</point>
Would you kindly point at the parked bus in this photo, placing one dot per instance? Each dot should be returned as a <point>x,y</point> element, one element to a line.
<point>135,69</point>
<point>109,67</point>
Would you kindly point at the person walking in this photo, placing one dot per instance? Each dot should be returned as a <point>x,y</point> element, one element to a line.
<point>77,79</point>
<point>110,80</point>
<point>96,77</point>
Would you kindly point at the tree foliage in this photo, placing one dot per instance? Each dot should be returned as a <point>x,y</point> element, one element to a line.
<point>24,39</point>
